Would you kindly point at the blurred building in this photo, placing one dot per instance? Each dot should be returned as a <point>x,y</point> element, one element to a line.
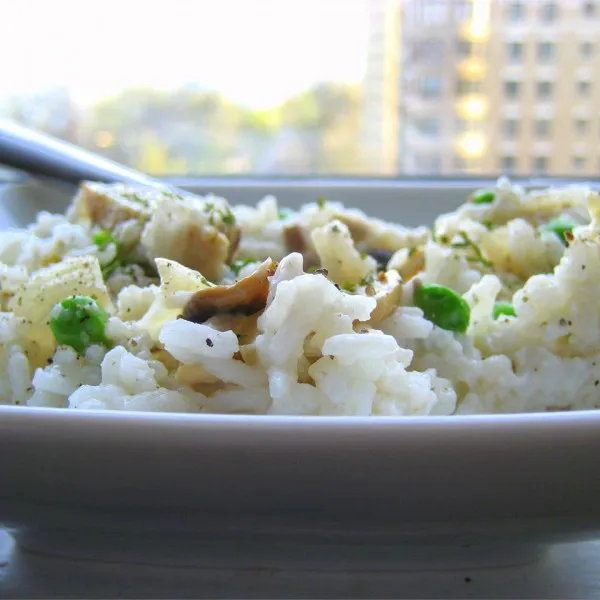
<point>484,86</point>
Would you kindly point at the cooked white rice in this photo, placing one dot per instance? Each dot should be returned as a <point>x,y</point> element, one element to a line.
<point>329,330</point>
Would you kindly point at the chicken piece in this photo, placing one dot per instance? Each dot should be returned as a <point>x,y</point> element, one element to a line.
<point>339,256</point>
<point>195,232</point>
<point>246,296</point>
<point>108,205</point>
<point>388,295</point>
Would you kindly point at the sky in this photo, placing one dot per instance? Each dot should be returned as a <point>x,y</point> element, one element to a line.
<point>256,52</point>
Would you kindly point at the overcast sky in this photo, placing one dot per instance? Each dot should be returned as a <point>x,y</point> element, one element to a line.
<point>256,52</point>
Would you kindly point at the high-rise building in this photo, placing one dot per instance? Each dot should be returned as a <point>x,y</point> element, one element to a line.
<point>490,86</point>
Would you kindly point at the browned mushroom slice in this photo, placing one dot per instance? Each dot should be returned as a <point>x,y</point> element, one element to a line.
<point>294,239</point>
<point>358,226</point>
<point>246,296</point>
<point>388,294</point>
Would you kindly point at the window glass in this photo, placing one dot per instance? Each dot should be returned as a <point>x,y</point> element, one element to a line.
<point>310,87</point>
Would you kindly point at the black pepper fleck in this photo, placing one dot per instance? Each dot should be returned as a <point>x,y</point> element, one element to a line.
<point>468,580</point>
<point>209,343</point>
<point>597,382</point>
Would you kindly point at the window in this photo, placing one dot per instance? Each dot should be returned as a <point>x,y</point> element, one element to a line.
<point>462,125</point>
<point>540,165</point>
<point>464,47</point>
<point>432,12</point>
<point>583,88</point>
<point>578,163</point>
<point>430,87</point>
<point>428,126</point>
<point>541,128</point>
<point>586,50</point>
<point>589,9</point>
<point>581,126</point>
<point>510,128</point>
<point>512,89</point>
<point>516,11</point>
<point>464,86</point>
<point>508,164</point>
<point>546,52</point>
<point>548,12</point>
<point>428,163</point>
<point>514,51</point>
<point>429,51</point>
<point>362,99</point>
<point>544,90</point>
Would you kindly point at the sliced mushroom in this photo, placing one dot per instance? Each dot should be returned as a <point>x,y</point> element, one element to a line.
<point>246,296</point>
<point>408,262</point>
<point>359,227</point>
<point>388,295</point>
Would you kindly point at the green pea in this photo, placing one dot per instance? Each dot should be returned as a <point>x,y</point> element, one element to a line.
<point>103,238</point>
<point>483,197</point>
<point>79,322</point>
<point>442,306</point>
<point>560,227</point>
<point>503,308</point>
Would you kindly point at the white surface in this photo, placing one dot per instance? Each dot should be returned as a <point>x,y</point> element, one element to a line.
<point>567,571</point>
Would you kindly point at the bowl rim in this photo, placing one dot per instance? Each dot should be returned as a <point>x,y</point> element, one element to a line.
<point>15,416</point>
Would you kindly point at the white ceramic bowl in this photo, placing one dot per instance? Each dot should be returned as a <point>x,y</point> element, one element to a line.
<point>262,491</point>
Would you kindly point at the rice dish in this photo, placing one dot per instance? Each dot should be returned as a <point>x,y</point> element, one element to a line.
<point>141,299</point>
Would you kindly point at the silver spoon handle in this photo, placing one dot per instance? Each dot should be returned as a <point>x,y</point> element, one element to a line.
<point>42,155</point>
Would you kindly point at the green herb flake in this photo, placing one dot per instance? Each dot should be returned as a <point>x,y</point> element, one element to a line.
<point>237,265</point>
<point>228,217</point>
<point>321,201</point>
<point>348,287</point>
<point>562,228</point>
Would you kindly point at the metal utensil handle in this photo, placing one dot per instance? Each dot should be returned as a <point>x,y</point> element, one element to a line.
<point>42,155</point>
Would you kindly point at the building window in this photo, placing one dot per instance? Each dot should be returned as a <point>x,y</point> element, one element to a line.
<point>428,126</point>
<point>428,163</point>
<point>540,165</point>
<point>544,90</point>
<point>581,126</point>
<point>584,88</point>
<point>578,163</point>
<point>586,50</point>
<point>462,125</point>
<point>463,87</point>
<point>546,52</point>
<point>548,12</point>
<point>508,164</point>
<point>515,11</point>
<point>510,128</point>
<point>514,51</point>
<point>589,9</point>
<point>464,47</point>
<point>512,89</point>
<point>429,51</point>
<point>541,128</point>
<point>430,87</point>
